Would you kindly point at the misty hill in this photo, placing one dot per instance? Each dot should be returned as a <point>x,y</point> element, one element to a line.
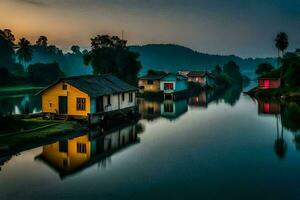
<point>170,57</point>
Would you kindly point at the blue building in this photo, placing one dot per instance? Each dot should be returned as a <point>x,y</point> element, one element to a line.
<point>173,84</point>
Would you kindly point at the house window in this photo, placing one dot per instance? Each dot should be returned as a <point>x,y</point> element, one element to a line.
<point>123,96</point>
<point>168,86</point>
<point>266,83</point>
<point>266,108</point>
<point>150,82</point>
<point>168,108</point>
<point>80,103</point>
<point>81,148</point>
<point>108,100</point>
<point>130,97</point>
<point>64,86</point>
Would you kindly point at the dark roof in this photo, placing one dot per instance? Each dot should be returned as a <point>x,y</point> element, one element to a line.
<point>198,73</point>
<point>96,85</point>
<point>156,75</point>
<point>275,74</point>
<point>178,76</point>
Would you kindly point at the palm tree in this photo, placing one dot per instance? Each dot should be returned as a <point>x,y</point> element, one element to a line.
<point>281,43</point>
<point>24,51</point>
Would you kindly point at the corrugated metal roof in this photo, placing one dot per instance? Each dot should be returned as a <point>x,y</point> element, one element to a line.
<point>157,75</point>
<point>95,86</point>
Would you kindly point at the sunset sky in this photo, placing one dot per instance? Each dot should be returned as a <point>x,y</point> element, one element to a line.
<point>244,28</point>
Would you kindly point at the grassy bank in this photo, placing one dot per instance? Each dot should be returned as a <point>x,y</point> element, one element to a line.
<point>34,130</point>
<point>21,89</point>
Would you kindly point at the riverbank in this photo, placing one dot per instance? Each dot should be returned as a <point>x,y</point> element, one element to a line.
<point>36,130</point>
<point>20,89</point>
<point>288,94</point>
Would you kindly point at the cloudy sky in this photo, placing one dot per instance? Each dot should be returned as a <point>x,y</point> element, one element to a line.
<point>244,28</point>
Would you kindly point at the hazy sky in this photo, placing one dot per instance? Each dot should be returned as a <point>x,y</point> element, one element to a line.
<point>245,28</point>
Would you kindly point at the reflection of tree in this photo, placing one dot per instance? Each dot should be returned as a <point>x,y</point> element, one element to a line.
<point>291,117</point>
<point>291,120</point>
<point>280,146</point>
<point>230,95</point>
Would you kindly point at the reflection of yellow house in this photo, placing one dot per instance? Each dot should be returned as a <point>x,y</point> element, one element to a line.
<point>68,154</point>
<point>73,155</point>
<point>149,109</point>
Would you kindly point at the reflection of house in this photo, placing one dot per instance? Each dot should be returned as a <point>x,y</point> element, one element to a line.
<point>149,110</point>
<point>151,81</point>
<point>199,100</point>
<point>271,108</point>
<point>204,78</point>
<point>73,155</point>
<point>81,95</point>
<point>173,109</point>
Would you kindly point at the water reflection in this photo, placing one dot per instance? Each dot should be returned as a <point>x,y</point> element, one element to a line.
<point>287,116</point>
<point>24,104</point>
<point>153,109</point>
<point>70,156</point>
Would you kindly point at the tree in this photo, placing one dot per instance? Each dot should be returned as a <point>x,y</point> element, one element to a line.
<point>233,71</point>
<point>24,51</point>
<point>42,41</point>
<point>7,53</point>
<point>75,49</point>
<point>290,69</point>
<point>42,73</point>
<point>111,55</point>
<point>281,43</point>
<point>264,68</point>
<point>217,70</point>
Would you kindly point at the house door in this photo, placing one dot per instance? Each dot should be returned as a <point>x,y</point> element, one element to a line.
<point>63,105</point>
<point>99,104</point>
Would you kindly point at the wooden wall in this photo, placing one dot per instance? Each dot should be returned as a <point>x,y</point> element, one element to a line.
<point>50,97</point>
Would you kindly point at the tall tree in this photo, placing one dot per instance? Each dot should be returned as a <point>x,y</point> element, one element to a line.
<point>111,55</point>
<point>24,52</point>
<point>42,41</point>
<point>7,54</point>
<point>281,43</point>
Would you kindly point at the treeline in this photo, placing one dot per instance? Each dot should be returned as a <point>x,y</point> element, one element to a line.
<point>229,75</point>
<point>41,63</point>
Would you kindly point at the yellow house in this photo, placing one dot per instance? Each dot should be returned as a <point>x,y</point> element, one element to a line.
<point>151,82</point>
<point>89,94</point>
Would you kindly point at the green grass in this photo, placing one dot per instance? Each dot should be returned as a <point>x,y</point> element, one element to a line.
<point>10,124</point>
<point>59,128</point>
<point>21,89</point>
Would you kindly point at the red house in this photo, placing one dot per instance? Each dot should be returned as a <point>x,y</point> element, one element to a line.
<point>269,83</point>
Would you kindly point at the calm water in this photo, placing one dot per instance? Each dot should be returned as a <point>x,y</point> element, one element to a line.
<point>218,145</point>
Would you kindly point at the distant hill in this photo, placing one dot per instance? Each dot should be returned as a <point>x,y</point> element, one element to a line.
<point>170,57</point>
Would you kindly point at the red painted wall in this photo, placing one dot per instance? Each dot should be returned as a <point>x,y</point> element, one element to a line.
<point>269,83</point>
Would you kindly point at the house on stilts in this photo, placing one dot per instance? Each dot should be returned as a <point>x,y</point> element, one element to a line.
<point>88,96</point>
